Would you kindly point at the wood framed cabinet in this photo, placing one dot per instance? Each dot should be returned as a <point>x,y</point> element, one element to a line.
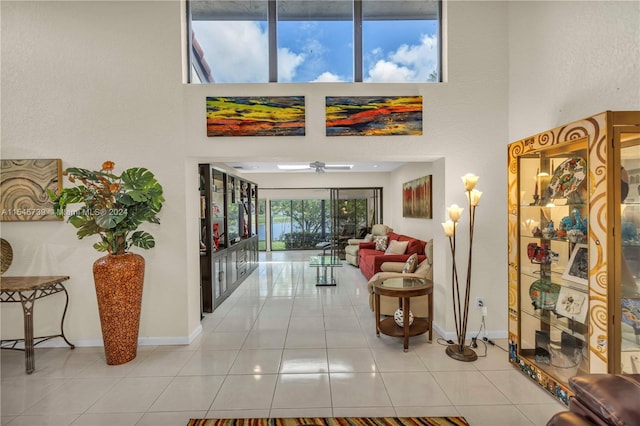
<point>574,250</point>
<point>228,233</point>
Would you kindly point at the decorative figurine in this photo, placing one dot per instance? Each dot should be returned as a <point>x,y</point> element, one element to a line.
<point>540,254</point>
<point>577,223</point>
<point>574,235</point>
<point>537,232</point>
<point>549,232</point>
<point>566,223</point>
<point>536,195</point>
<point>562,232</point>
<point>580,224</point>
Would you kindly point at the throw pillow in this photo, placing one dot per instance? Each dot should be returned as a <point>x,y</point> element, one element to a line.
<point>415,246</point>
<point>396,247</point>
<point>381,242</point>
<point>410,265</point>
<point>428,251</point>
<point>380,229</point>
<point>368,238</point>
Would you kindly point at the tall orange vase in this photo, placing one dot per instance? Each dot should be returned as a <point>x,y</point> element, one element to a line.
<point>118,280</point>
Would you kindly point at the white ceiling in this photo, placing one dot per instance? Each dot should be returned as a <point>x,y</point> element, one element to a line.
<point>272,167</point>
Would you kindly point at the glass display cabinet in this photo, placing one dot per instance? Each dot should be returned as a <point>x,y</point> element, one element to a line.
<point>228,236</point>
<point>574,250</point>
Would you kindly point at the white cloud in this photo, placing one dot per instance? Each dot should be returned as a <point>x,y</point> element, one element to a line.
<point>288,62</point>
<point>407,63</point>
<point>385,71</point>
<point>327,77</point>
<point>236,51</point>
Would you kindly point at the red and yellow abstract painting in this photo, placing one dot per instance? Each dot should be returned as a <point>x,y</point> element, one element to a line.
<point>256,116</point>
<point>374,115</point>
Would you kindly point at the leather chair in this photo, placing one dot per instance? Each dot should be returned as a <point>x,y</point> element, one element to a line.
<point>602,400</point>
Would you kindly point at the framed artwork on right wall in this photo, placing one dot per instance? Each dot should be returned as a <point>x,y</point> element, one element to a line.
<point>416,198</point>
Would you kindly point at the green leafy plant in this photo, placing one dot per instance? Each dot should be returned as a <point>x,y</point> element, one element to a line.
<point>113,206</point>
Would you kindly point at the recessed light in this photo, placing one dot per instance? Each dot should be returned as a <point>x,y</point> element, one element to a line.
<point>292,167</point>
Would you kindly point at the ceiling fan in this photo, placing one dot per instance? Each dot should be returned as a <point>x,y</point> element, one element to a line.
<point>317,166</point>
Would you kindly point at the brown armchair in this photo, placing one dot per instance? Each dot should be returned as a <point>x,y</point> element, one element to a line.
<point>602,400</point>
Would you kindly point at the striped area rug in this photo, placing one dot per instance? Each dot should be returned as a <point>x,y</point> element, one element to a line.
<point>335,421</point>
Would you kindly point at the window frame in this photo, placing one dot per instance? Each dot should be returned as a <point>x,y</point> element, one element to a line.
<point>201,65</point>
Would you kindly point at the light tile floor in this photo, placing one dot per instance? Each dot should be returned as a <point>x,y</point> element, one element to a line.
<point>278,346</point>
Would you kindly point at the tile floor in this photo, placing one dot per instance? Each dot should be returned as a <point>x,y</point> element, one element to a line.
<point>278,346</point>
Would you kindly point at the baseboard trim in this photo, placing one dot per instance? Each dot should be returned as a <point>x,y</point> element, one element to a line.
<point>142,341</point>
<point>451,335</point>
<point>187,340</point>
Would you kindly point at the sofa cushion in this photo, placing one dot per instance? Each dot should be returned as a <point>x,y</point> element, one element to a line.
<point>380,229</point>
<point>428,251</point>
<point>415,246</point>
<point>396,247</point>
<point>424,269</point>
<point>381,242</point>
<point>410,264</point>
<point>370,245</point>
<point>393,236</point>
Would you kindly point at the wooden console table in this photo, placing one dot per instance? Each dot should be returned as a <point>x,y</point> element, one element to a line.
<point>27,290</point>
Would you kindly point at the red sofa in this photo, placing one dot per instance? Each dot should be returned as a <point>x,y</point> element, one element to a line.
<point>370,260</point>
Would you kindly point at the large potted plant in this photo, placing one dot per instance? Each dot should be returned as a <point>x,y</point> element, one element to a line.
<point>113,207</point>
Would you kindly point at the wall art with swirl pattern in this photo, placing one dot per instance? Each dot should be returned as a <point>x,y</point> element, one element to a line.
<point>23,189</point>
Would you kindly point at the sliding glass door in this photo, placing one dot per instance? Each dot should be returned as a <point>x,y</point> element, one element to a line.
<point>299,223</point>
<point>354,212</point>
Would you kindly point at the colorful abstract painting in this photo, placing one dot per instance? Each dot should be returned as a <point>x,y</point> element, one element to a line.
<point>256,116</point>
<point>416,198</point>
<point>374,115</point>
<point>23,185</point>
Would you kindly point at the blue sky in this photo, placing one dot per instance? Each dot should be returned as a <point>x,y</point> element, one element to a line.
<point>319,50</point>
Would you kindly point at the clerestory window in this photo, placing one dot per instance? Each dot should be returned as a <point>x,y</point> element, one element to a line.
<point>259,41</point>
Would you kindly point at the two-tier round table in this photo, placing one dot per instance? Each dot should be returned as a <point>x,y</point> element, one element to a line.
<point>404,289</point>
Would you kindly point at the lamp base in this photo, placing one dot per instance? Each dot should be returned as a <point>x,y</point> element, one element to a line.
<point>467,354</point>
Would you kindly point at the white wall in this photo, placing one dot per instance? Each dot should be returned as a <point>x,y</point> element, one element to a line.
<point>88,82</point>
<point>569,60</point>
<point>426,229</point>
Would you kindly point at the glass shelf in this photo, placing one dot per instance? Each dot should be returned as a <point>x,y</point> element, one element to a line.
<point>561,323</point>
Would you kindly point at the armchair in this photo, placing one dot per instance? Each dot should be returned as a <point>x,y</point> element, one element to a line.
<point>420,306</point>
<point>601,399</point>
<point>351,250</point>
